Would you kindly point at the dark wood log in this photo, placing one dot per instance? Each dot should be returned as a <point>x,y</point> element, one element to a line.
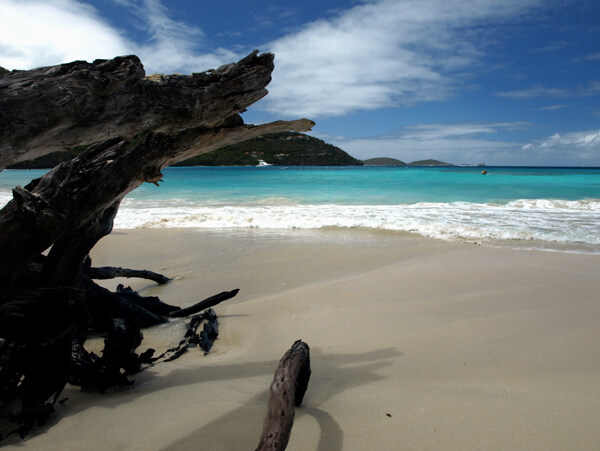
<point>38,326</point>
<point>205,304</point>
<point>151,303</point>
<point>204,339</point>
<point>105,306</point>
<point>210,331</point>
<point>285,393</point>
<point>66,259</point>
<point>111,272</point>
<point>54,108</point>
<point>118,360</point>
<point>41,315</point>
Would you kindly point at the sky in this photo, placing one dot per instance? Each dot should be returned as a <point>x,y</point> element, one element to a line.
<point>500,82</point>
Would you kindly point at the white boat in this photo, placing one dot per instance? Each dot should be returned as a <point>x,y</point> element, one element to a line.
<point>263,163</point>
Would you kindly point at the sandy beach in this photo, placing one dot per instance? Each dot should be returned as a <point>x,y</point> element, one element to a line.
<point>416,344</point>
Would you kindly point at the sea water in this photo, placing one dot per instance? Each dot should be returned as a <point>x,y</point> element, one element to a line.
<point>549,208</point>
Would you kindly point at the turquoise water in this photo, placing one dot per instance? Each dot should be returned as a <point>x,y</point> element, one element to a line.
<point>375,185</point>
<point>551,208</point>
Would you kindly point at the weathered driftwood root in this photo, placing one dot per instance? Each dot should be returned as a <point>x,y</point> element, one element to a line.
<point>35,366</point>
<point>111,272</point>
<point>54,108</point>
<point>204,339</point>
<point>205,304</point>
<point>151,303</point>
<point>138,127</point>
<point>286,392</point>
<point>119,359</point>
<point>38,326</point>
<point>104,306</point>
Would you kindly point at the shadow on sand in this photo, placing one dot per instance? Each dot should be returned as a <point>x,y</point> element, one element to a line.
<point>332,374</point>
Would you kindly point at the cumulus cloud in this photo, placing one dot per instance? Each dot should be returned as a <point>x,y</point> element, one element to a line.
<point>173,46</point>
<point>581,145</point>
<point>381,54</point>
<point>45,32</point>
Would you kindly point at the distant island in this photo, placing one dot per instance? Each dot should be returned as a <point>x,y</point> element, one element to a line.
<point>384,161</point>
<point>429,163</point>
<point>278,149</point>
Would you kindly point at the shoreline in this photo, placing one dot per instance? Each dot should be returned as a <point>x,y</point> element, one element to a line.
<point>550,209</point>
<point>464,346</point>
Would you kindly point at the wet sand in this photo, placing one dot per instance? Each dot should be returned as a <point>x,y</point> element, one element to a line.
<point>415,344</point>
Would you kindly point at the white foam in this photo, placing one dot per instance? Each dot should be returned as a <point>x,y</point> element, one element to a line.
<point>5,197</point>
<point>546,220</point>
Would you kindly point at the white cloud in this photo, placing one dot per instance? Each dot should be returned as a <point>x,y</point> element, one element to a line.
<point>534,91</point>
<point>173,46</point>
<point>428,132</point>
<point>582,146</point>
<point>591,89</point>
<point>590,57</point>
<point>553,107</point>
<point>472,143</point>
<point>381,54</point>
<point>45,32</point>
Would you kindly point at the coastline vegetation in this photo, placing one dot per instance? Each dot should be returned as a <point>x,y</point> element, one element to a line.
<point>384,161</point>
<point>279,149</point>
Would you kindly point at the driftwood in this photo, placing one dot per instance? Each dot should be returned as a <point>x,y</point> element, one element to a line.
<point>205,304</point>
<point>151,303</point>
<point>192,338</point>
<point>138,127</point>
<point>111,272</point>
<point>286,392</point>
<point>55,108</point>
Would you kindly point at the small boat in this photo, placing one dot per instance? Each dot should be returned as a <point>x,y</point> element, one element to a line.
<point>263,163</point>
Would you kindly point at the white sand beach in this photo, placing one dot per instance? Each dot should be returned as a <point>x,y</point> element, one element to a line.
<point>416,344</point>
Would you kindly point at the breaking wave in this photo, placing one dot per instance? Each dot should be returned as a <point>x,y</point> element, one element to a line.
<point>559,221</point>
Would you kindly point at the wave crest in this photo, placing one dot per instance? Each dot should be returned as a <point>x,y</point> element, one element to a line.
<point>536,219</point>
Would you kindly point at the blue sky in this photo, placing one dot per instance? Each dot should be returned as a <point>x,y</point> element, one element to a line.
<point>509,82</point>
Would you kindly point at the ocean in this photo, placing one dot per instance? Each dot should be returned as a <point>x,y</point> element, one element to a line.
<point>543,208</point>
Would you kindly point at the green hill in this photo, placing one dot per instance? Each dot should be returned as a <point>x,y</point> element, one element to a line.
<point>383,161</point>
<point>280,149</point>
<point>429,163</point>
